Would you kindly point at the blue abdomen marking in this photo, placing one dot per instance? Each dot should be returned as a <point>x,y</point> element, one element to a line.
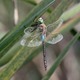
<point>42,37</point>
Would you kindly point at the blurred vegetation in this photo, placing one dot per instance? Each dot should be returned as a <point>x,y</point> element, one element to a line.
<point>14,57</point>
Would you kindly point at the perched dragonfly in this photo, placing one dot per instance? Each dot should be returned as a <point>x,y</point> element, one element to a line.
<point>37,33</point>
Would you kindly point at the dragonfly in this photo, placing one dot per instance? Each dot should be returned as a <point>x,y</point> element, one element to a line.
<point>36,35</point>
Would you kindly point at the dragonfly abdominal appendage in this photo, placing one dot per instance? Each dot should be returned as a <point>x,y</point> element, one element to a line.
<point>36,35</point>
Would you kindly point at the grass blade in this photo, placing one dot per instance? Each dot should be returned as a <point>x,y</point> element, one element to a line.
<point>31,2</point>
<point>64,4</point>
<point>9,55</point>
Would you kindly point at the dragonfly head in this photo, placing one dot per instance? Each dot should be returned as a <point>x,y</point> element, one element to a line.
<point>40,20</point>
<point>37,24</point>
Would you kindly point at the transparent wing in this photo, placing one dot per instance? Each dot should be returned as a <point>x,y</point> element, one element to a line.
<point>34,42</point>
<point>28,30</point>
<point>53,27</point>
<point>27,34</point>
<point>55,39</point>
<point>31,39</point>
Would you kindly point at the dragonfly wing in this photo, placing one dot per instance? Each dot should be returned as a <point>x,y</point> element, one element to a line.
<point>34,43</point>
<point>23,42</point>
<point>54,25</point>
<point>31,38</point>
<point>56,39</point>
<point>27,34</point>
<point>28,30</point>
<point>31,41</point>
<point>35,39</point>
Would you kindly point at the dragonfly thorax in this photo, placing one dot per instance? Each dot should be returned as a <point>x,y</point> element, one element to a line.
<point>43,28</point>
